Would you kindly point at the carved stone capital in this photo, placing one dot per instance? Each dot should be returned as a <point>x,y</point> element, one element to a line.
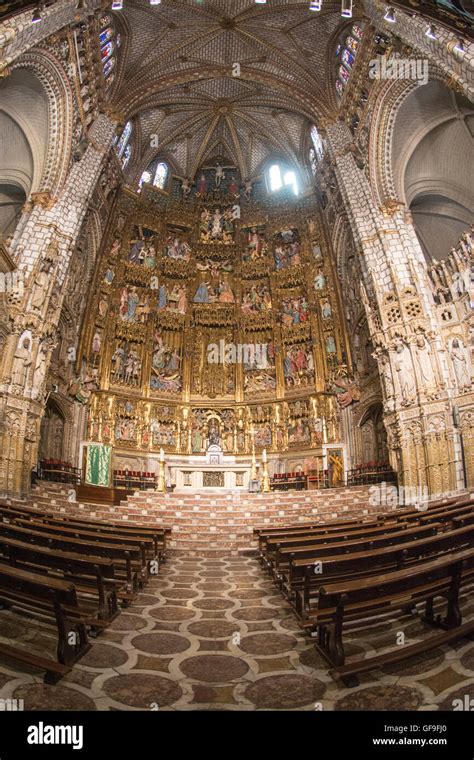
<point>390,207</point>
<point>43,199</point>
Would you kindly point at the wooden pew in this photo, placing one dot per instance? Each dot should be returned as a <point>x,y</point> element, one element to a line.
<point>53,599</point>
<point>152,549</point>
<point>367,563</point>
<point>136,530</point>
<point>294,562</point>
<point>264,538</point>
<point>280,555</point>
<point>92,576</point>
<point>357,600</point>
<point>400,515</point>
<point>130,562</point>
<point>447,515</point>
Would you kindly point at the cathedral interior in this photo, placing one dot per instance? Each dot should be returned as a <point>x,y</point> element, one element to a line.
<point>236,245</point>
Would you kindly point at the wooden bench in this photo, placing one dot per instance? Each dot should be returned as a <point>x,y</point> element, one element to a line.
<point>367,563</point>
<point>92,576</point>
<point>51,598</point>
<point>136,530</point>
<point>318,528</point>
<point>153,549</point>
<point>130,561</point>
<point>365,598</point>
<point>293,562</point>
<point>447,515</point>
<point>306,547</point>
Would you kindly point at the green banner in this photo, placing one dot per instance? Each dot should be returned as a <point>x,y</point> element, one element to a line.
<point>98,464</point>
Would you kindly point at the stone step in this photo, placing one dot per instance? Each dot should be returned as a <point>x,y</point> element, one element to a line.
<point>215,525</point>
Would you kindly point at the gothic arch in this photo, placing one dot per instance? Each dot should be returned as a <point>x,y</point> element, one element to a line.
<point>369,430</point>
<point>44,66</point>
<point>388,98</point>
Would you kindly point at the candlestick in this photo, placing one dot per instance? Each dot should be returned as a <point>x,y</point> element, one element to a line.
<point>253,473</point>
<point>161,485</point>
<point>162,455</point>
<point>265,476</point>
<point>264,455</point>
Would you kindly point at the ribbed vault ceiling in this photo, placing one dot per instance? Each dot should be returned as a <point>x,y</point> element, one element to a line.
<point>177,78</point>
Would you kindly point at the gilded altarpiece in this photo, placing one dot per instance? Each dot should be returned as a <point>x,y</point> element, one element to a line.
<point>207,310</point>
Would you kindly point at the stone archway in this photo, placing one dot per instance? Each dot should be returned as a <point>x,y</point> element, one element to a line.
<point>372,435</point>
<point>53,432</point>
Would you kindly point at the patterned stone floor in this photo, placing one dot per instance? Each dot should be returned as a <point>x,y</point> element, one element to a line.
<point>216,635</point>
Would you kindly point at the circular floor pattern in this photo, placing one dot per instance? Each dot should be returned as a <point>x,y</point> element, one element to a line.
<point>41,696</point>
<point>172,613</point>
<point>381,698</point>
<point>284,692</point>
<point>161,643</point>
<point>142,690</point>
<point>213,629</point>
<point>214,668</point>
<point>216,634</point>
<point>267,643</point>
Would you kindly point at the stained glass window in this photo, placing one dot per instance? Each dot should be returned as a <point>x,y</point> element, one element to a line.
<point>107,51</point>
<point>312,161</point>
<point>108,66</point>
<point>317,142</point>
<point>144,179</point>
<point>346,53</point>
<point>343,73</point>
<point>347,58</point>
<point>161,175</point>
<point>276,179</point>
<point>352,43</point>
<point>106,35</point>
<point>109,81</point>
<point>126,156</point>
<point>124,138</point>
<point>109,42</point>
<point>290,179</point>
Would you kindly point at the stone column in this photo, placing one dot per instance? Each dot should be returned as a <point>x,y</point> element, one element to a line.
<point>43,252</point>
<point>18,34</point>
<point>458,67</point>
<point>404,327</point>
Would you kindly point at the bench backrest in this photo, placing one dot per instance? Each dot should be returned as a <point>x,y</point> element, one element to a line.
<point>398,582</point>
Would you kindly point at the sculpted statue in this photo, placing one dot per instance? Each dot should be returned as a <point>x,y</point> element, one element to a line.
<point>337,469</point>
<point>21,362</point>
<point>40,287</point>
<point>386,372</point>
<point>460,364</point>
<point>406,375</point>
<point>219,175</point>
<point>40,372</point>
<point>347,392</point>
<point>186,187</point>
<point>213,434</point>
<point>425,364</point>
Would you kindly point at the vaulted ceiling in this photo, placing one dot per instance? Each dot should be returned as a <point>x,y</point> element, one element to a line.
<point>178,79</point>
